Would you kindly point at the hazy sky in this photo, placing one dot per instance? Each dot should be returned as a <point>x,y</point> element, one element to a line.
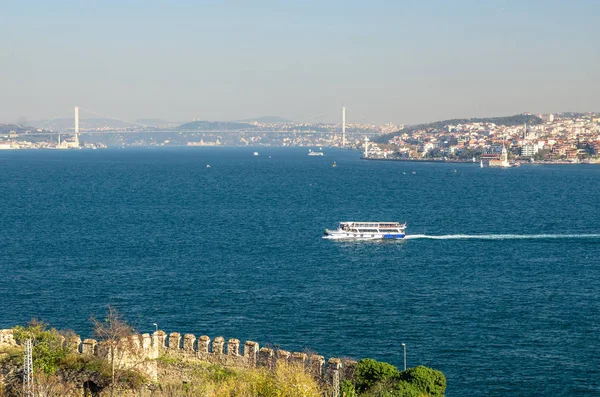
<point>398,61</point>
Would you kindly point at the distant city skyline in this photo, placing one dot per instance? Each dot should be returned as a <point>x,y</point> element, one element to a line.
<point>398,62</point>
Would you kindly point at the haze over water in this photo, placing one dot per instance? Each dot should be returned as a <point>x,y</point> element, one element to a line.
<point>497,286</point>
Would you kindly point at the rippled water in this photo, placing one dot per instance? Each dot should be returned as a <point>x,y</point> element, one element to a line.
<point>498,284</point>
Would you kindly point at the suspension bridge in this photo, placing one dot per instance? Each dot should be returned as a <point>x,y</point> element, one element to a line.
<point>135,127</point>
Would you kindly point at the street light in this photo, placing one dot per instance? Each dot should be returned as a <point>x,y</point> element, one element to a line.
<point>404,346</point>
<point>156,326</point>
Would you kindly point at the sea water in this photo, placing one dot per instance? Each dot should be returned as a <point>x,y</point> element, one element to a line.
<point>497,284</point>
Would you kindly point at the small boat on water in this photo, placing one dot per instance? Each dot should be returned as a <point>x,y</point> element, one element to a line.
<point>367,231</point>
<point>256,153</point>
<point>315,152</point>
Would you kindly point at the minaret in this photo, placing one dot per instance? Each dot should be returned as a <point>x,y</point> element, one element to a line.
<point>343,126</point>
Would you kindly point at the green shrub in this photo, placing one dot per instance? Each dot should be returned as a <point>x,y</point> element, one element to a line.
<point>405,389</point>
<point>347,389</point>
<point>48,348</point>
<point>427,380</point>
<point>369,372</point>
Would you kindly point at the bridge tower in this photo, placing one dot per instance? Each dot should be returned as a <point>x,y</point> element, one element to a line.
<point>77,125</point>
<point>343,126</point>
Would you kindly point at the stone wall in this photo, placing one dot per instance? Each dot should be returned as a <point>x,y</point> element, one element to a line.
<point>141,351</point>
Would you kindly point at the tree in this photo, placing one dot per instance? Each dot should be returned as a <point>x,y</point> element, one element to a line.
<point>48,348</point>
<point>115,334</point>
<point>368,372</point>
<point>427,380</point>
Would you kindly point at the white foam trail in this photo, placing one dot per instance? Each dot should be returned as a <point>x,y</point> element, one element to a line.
<point>501,236</point>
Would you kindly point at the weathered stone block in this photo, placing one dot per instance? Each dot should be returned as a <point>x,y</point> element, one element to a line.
<point>188,342</point>
<point>315,366</point>
<point>218,344</point>
<point>89,347</point>
<point>348,368</point>
<point>251,352</point>
<point>73,343</point>
<point>174,341</point>
<point>7,337</point>
<point>159,339</point>
<point>266,357</point>
<point>146,342</point>
<point>299,359</point>
<point>203,344</point>
<point>334,366</point>
<point>233,347</point>
<point>135,342</point>
<point>283,355</point>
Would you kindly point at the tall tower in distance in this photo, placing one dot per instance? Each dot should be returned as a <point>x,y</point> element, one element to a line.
<point>343,126</point>
<point>77,125</point>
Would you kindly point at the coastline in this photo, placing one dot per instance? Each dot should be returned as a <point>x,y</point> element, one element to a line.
<point>476,162</point>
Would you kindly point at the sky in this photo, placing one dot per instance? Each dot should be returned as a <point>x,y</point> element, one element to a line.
<point>399,61</point>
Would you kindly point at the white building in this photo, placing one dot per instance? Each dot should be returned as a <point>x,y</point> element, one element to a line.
<point>529,149</point>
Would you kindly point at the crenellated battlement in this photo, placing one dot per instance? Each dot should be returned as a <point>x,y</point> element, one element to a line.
<point>142,351</point>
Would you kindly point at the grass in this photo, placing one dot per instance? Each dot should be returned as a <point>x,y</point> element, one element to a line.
<point>81,362</point>
<point>210,380</point>
<point>12,354</point>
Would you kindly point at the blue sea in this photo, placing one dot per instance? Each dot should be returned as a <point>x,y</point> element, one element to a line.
<point>498,285</point>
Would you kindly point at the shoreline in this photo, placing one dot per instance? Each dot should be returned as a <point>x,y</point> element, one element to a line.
<point>476,162</point>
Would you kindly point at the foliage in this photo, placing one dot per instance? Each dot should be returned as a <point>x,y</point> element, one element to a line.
<point>368,372</point>
<point>378,379</point>
<point>427,380</point>
<point>347,389</point>
<point>391,388</point>
<point>48,346</point>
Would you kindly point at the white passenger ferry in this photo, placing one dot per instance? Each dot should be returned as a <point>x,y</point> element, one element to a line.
<point>367,231</point>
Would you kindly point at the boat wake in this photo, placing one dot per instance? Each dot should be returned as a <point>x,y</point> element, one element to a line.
<point>503,236</point>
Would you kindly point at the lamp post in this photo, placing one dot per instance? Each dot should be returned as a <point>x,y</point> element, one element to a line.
<point>156,326</point>
<point>404,346</point>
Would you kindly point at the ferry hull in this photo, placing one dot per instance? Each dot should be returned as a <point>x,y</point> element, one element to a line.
<point>363,236</point>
